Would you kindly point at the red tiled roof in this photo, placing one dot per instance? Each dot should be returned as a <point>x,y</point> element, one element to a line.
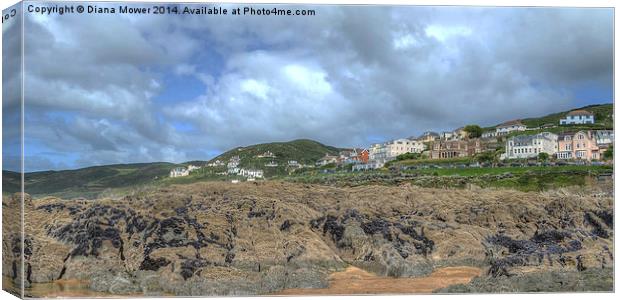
<point>580,112</point>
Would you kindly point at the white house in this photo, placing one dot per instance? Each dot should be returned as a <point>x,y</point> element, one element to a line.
<point>447,135</point>
<point>233,162</point>
<point>579,116</point>
<point>604,137</point>
<point>379,154</point>
<point>179,172</point>
<point>271,164</point>
<point>266,154</point>
<point>529,146</point>
<point>489,134</point>
<point>251,173</point>
<point>508,127</point>
<point>192,168</point>
<point>217,163</point>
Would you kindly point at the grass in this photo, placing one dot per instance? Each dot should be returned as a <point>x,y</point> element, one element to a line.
<point>602,115</point>
<point>303,151</point>
<point>412,162</point>
<point>561,129</point>
<point>518,178</point>
<point>513,170</point>
<point>86,182</point>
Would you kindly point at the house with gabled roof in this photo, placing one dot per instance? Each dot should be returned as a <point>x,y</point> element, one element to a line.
<point>579,116</point>
<point>579,145</point>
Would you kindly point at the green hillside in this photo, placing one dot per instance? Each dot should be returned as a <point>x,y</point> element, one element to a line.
<point>603,115</point>
<point>86,182</point>
<point>303,151</point>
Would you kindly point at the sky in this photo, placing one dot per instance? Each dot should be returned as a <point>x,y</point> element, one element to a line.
<point>107,89</point>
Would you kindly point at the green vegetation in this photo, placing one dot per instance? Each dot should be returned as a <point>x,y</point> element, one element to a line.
<point>603,116</point>
<point>86,182</point>
<point>305,152</point>
<point>473,131</point>
<point>609,153</point>
<point>518,178</point>
<point>563,281</point>
<point>457,160</point>
<point>543,156</point>
<point>487,157</point>
<point>513,170</point>
<point>408,155</point>
<point>560,129</point>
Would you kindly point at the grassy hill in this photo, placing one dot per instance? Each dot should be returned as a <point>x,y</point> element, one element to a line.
<point>603,115</point>
<point>303,151</point>
<point>86,182</point>
<point>93,181</point>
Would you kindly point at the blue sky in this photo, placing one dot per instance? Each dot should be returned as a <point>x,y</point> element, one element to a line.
<point>108,89</point>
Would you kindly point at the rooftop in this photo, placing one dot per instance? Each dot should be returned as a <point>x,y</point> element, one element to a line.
<point>580,112</point>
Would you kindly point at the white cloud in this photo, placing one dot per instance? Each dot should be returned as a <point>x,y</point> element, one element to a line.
<point>443,33</point>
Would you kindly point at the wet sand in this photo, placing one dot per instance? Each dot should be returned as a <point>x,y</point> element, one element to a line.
<point>351,281</point>
<point>63,288</point>
<point>355,281</point>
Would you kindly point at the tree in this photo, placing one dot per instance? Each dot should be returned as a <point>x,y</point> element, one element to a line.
<point>486,157</point>
<point>609,153</point>
<point>473,131</point>
<point>543,156</point>
<point>408,155</point>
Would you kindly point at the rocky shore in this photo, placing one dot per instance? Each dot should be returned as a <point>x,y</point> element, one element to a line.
<point>256,238</point>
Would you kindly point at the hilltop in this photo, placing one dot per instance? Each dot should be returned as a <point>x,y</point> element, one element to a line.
<point>304,151</point>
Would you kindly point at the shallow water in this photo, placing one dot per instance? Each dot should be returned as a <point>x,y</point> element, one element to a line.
<point>351,281</point>
<point>58,288</point>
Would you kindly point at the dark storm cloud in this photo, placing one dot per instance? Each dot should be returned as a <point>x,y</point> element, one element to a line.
<point>345,77</point>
